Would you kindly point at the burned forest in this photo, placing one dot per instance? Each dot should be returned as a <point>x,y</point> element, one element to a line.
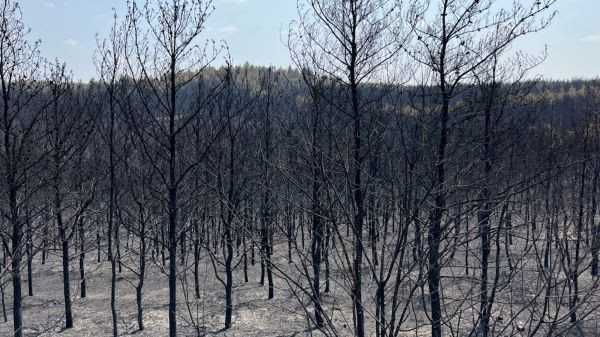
<point>408,174</point>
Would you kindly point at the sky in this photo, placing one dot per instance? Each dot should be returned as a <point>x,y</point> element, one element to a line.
<point>255,31</point>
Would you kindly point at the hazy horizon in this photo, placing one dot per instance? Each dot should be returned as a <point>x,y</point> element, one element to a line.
<point>572,40</point>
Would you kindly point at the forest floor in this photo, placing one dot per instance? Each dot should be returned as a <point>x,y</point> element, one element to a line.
<point>253,313</point>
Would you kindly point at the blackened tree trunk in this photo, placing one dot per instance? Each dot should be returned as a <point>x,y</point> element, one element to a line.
<point>29,250</point>
<point>267,216</point>
<point>317,234</point>
<point>16,253</point>
<point>172,200</point>
<point>196,233</point>
<point>435,231</point>
<point>66,283</point>
<point>65,262</point>
<point>142,273</point>
<point>595,225</point>
<point>484,220</point>
<point>82,260</point>
<point>574,268</point>
<point>228,217</point>
<point>228,278</point>
<point>357,187</point>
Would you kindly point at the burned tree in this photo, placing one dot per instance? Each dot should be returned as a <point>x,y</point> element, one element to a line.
<point>21,69</point>
<point>166,66</point>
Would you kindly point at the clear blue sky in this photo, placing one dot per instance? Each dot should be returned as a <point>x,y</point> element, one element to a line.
<point>254,30</point>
